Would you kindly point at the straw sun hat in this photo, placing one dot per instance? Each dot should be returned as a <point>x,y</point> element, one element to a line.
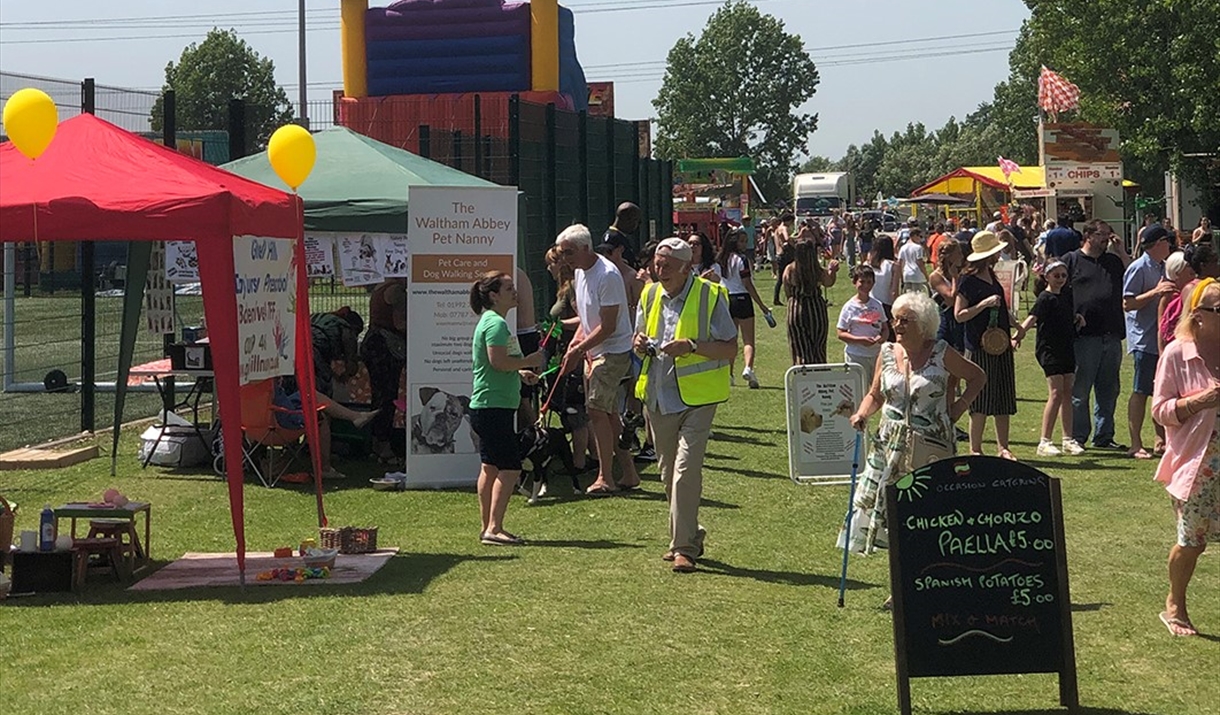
<point>984,245</point>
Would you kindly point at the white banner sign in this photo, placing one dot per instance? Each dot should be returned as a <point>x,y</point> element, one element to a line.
<point>181,262</point>
<point>457,234</point>
<point>319,255</point>
<point>266,306</point>
<point>1082,173</point>
<point>821,400</point>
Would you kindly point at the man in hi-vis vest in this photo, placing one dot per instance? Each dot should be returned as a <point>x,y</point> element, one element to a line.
<point>687,339</point>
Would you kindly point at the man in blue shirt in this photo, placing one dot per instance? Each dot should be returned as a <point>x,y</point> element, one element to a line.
<point>1062,240</point>
<point>1144,285</point>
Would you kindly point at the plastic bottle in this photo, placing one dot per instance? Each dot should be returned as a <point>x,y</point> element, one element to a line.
<point>46,540</point>
<point>770,318</point>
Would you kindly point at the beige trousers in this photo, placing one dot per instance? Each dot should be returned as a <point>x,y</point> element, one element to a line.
<point>681,441</point>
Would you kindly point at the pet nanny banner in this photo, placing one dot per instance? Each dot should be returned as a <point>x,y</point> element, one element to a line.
<point>456,235</point>
<point>266,284</point>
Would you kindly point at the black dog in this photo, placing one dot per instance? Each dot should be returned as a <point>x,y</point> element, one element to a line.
<point>540,446</point>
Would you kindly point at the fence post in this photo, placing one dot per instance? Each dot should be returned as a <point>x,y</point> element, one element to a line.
<point>514,140</point>
<point>237,127</point>
<point>10,314</point>
<point>646,203</point>
<point>552,200</point>
<point>88,302</point>
<point>457,149</point>
<point>478,137</point>
<point>425,141</point>
<point>667,181</point>
<point>169,137</point>
<point>582,143</point>
<point>610,188</point>
<point>635,163</point>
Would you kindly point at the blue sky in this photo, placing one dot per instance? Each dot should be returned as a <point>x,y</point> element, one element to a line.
<point>883,63</point>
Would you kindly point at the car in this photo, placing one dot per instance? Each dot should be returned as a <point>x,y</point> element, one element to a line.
<point>889,221</point>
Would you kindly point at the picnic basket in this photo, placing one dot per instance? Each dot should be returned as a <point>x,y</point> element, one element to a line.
<point>349,539</point>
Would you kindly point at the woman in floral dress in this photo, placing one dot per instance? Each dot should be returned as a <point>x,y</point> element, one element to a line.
<point>932,363</point>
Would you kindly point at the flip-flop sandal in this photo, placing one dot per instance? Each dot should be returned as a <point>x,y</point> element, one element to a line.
<point>1178,627</point>
<point>502,539</point>
<point>632,488</point>
<point>1139,454</point>
<point>600,491</point>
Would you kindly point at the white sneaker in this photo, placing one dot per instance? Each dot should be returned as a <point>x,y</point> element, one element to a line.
<point>1072,447</point>
<point>750,378</point>
<point>1047,448</point>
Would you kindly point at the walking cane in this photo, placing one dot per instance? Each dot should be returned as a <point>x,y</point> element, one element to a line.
<point>855,466</point>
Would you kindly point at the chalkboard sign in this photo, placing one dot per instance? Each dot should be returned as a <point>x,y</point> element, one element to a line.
<point>979,573</point>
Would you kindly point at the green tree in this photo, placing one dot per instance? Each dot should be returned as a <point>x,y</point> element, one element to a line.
<point>735,90</point>
<point>816,164</point>
<point>221,68</point>
<point>1148,68</point>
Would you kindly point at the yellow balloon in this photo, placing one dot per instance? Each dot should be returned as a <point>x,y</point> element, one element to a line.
<point>30,120</point>
<point>291,152</point>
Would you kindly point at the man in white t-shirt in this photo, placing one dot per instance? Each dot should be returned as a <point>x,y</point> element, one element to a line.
<point>914,266</point>
<point>603,345</point>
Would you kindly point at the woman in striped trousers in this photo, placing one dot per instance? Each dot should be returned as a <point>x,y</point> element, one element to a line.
<point>808,323</point>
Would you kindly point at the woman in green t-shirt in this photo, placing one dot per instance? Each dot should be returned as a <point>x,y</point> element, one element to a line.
<point>499,370</point>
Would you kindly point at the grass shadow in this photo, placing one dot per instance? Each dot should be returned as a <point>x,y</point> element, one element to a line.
<point>402,574</point>
<point>749,429</point>
<point>1046,711</point>
<point>752,473</point>
<point>597,545</point>
<point>735,439</point>
<point>1089,607</point>
<point>788,578</point>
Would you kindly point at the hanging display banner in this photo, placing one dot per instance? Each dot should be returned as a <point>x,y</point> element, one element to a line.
<point>319,255</point>
<point>392,255</point>
<point>358,259</point>
<point>457,234</point>
<point>181,262</point>
<point>266,283</point>
<point>158,294</point>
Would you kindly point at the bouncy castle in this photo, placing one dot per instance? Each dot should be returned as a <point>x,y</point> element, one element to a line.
<point>419,61</point>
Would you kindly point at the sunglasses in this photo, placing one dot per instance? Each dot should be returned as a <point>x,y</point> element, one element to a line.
<point>1210,308</point>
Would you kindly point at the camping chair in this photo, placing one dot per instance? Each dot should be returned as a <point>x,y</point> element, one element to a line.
<point>267,447</point>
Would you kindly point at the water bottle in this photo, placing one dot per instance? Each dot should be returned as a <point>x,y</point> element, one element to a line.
<point>770,318</point>
<point>46,540</point>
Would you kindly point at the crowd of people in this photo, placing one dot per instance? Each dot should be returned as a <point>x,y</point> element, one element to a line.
<point>648,344</point>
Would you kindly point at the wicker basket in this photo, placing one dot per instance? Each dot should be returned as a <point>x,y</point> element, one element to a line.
<point>349,539</point>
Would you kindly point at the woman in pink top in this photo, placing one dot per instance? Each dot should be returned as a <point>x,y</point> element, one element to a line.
<point>1185,401</point>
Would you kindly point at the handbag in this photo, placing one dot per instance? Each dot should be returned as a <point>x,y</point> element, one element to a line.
<point>921,449</point>
<point>995,340</point>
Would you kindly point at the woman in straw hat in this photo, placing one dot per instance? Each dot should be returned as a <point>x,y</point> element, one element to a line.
<point>1185,400</point>
<point>981,306</point>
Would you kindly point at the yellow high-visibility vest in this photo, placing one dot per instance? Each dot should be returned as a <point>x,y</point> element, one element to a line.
<point>701,381</point>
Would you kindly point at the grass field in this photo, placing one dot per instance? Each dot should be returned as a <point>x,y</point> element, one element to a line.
<point>587,619</point>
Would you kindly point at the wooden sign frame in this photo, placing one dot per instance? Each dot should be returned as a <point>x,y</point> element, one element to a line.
<point>1068,691</point>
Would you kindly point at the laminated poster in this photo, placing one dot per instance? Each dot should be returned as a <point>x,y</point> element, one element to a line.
<point>319,256</point>
<point>392,255</point>
<point>358,259</point>
<point>158,294</point>
<point>181,262</point>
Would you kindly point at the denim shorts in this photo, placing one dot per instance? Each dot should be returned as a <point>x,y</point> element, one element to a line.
<point>1145,372</point>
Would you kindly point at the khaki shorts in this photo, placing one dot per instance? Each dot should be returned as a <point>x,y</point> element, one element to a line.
<point>602,378</point>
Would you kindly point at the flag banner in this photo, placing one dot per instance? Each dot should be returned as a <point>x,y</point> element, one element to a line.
<point>1009,167</point>
<point>1056,94</point>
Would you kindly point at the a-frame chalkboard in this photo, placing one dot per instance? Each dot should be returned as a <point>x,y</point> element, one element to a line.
<point>979,574</point>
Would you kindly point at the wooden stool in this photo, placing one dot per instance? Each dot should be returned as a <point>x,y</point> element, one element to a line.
<point>124,530</point>
<point>109,555</point>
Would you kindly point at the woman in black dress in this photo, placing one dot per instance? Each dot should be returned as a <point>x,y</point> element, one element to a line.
<point>808,324</point>
<point>980,306</point>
